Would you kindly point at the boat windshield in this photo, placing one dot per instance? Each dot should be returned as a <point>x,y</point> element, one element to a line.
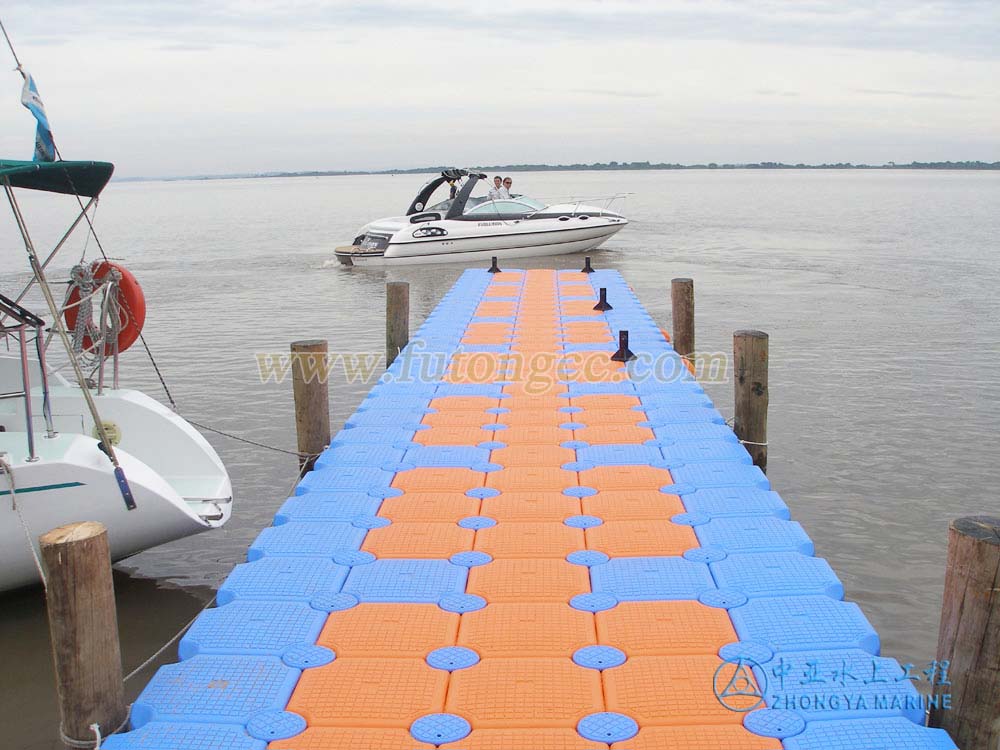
<point>522,204</point>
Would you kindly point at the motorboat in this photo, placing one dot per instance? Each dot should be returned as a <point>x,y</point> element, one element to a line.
<point>82,448</point>
<point>473,228</point>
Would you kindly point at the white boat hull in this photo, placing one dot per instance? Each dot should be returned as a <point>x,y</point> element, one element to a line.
<point>179,483</point>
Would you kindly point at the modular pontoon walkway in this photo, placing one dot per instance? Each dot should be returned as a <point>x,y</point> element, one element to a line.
<point>510,549</point>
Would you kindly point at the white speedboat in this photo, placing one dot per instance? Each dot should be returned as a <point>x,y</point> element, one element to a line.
<point>468,228</point>
<point>86,449</point>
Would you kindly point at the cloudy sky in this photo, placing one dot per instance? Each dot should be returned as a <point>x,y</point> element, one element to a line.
<point>174,87</point>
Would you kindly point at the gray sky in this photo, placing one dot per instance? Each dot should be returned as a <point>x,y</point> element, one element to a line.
<point>172,87</point>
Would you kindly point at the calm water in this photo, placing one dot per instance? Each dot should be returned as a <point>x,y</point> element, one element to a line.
<point>878,291</point>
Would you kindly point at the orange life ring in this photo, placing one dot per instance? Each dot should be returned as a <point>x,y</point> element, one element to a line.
<point>131,301</point>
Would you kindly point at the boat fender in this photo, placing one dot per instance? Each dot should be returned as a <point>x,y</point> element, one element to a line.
<point>131,302</point>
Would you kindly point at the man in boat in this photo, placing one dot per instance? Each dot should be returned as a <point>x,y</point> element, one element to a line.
<point>507,183</point>
<point>495,193</point>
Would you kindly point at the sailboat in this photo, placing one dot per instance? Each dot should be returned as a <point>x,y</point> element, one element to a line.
<point>83,448</point>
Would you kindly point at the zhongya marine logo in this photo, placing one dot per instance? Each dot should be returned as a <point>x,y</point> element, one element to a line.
<point>736,687</point>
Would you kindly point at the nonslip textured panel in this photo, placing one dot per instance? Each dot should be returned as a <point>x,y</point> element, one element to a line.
<point>350,478</point>
<point>414,581</point>
<point>521,739</point>
<point>531,506</point>
<point>639,538</point>
<point>252,627</point>
<point>282,578</point>
<point>368,738</point>
<point>537,692</point>
<point>317,539</point>
<point>445,507</point>
<point>802,623</point>
<point>755,534</point>
<point>327,506</point>
<point>521,580</point>
<point>725,502</point>
<point>219,689</point>
<point>698,737</point>
<point>777,574</point>
<point>869,734</point>
<point>652,578</point>
<point>665,690</point>
<point>665,628</point>
<point>418,540</point>
<point>529,539</point>
<point>159,735</point>
<point>369,692</point>
<point>623,505</point>
<point>389,630</point>
<point>527,629</point>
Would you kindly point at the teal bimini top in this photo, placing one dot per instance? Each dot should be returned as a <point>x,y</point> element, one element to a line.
<point>86,178</point>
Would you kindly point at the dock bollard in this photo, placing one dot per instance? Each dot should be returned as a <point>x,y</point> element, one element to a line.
<point>494,268</point>
<point>586,266</point>
<point>602,303</point>
<point>83,624</point>
<point>682,312</point>
<point>750,371</point>
<point>968,653</point>
<point>624,354</point>
<point>397,319</point>
<point>310,373</point>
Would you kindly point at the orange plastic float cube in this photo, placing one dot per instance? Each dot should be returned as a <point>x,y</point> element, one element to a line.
<point>436,478</point>
<point>534,434</point>
<point>540,416</point>
<point>523,739</point>
<point>527,629</point>
<point>551,456</point>
<point>591,417</point>
<point>430,506</point>
<point>644,538</point>
<point>623,505</point>
<point>610,434</point>
<point>605,401</point>
<point>453,435</point>
<point>369,738</point>
<point>456,418</point>
<point>670,690</point>
<point>538,692</point>
<point>534,540</point>
<point>389,630</point>
<point>525,580</point>
<point>531,506</point>
<point>665,628</point>
<point>363,692</point>
<point>530,478</point>
<point>496,309</point>
<point>418,540</point>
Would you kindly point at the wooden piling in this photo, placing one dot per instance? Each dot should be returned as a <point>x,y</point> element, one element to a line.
<point>750,370</point>
<point>310,373</point>
<point>969,636</point>
<point>682,306</point>
<point>83,623</point>
<point>397,319</point>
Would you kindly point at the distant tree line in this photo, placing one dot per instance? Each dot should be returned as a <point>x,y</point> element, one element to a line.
<point>616,165</point>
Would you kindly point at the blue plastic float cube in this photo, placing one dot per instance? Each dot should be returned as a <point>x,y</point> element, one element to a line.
<point>215,689</point>
<point>327,506</point>
<point>804,623</point>
<point>314,539</point>
<point>869,734</point>
<point>159,735</point>
<point>777,574</point>
<point>415,581</point>
<point>754,534</point>
<point>723,502</point>
<point>282,578</point>
<point>651,578</point>
<point>252,627</point>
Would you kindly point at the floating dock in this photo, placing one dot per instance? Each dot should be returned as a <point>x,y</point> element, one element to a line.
<point>518,543</point>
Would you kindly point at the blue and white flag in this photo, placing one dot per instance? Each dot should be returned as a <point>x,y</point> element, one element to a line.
<point>45,147</point>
